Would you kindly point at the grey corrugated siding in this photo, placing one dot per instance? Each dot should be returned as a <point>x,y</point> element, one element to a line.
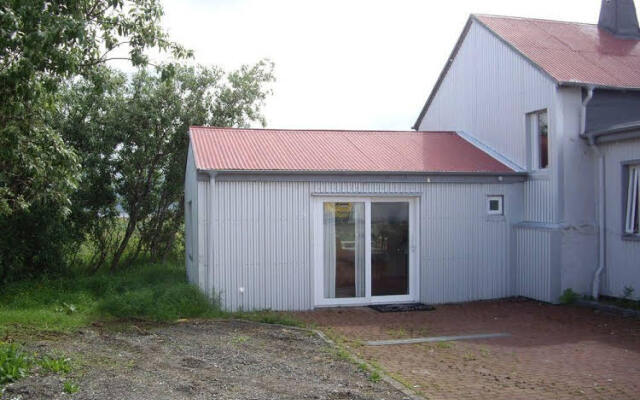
<point>534,266</point>
<point>623,257</point>
<point>487,92</point>
<point>262,241</point>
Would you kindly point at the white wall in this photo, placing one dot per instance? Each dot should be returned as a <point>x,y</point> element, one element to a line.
<point>622,256</point>
<point>262,240</point>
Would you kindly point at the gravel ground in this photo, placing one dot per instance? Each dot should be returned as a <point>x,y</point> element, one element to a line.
<point>199,360</point>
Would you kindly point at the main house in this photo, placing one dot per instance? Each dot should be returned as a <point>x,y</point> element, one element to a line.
<point>522,178</point>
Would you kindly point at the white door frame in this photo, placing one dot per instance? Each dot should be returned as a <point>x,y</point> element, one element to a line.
<point>318,253</point>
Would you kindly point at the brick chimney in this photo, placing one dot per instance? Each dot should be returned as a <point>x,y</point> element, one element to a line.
<point>619,18</point>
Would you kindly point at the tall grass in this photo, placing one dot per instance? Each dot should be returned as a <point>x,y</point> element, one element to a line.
<point>157,292</point>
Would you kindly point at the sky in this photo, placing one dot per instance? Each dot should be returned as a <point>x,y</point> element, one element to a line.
<point>344,64</point>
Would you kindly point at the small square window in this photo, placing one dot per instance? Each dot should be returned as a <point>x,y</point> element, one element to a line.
<point>495,205</point>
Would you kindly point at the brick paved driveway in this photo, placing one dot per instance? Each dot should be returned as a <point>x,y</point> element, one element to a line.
<point>555,352</point>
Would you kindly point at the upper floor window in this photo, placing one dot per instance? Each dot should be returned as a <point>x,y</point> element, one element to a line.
<point>538,134</point>
<point>632,220</point>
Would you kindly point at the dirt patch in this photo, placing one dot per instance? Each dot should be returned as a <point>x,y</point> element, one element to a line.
<point>555,352</point>
<point>198,360</point>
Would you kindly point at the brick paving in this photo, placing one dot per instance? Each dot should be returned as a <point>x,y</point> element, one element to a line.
<point>555,352</point>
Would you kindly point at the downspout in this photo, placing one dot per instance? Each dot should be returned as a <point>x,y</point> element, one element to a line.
<point>595,286</point>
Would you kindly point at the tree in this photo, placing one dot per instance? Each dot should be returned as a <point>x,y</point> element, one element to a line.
<point>42,44</point>
<point>133,140</point>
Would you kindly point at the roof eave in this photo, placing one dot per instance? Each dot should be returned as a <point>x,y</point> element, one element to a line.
<point>350,172</point>
<point>613,133</point>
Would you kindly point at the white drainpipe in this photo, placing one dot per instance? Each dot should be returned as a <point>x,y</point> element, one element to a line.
<point>595,287</point>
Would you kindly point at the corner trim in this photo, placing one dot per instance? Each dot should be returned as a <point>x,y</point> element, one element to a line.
<point>490,151</point>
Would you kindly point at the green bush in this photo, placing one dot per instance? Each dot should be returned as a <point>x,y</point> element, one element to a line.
<point>569,297</point>
<point>15,363</point>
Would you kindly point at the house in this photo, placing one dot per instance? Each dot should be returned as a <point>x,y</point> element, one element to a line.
<point>522,177</point>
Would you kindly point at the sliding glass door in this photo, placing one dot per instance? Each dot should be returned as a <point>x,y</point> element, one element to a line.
<point>364,250</point>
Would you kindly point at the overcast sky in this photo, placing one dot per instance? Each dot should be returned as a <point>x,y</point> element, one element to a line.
<point>344,64</point>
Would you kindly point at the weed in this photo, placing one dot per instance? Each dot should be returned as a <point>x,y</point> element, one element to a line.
<point>396,333</point>
<point>59,365</point>
<point>444,345</point>
<point>239,339</point>
<point>468,356</point>
<point>70,387</point>
<point>363,367</point>
<point>485,352</point>
<point>15,363</point>
<point>269,317</point>
<point>568,297</point>
<point>375,377</point>
<point>628,292</point>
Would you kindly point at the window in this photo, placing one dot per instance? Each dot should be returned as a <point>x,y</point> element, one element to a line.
<point>495,205</point>
<point>538,133</point>
<point>632,220</point>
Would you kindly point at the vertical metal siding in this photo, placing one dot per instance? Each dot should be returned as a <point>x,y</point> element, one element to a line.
<point>534,273</point>
<point>623,267</point>
<point>262,234</point>
<point>487,92</point>
<point>262,241</point>
<point>539,202</point>
<point>203,234</point>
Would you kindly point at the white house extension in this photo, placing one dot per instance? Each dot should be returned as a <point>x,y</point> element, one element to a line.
<point>521,179</point>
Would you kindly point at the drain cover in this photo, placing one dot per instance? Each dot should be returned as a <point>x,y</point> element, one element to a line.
<point>402,307</point>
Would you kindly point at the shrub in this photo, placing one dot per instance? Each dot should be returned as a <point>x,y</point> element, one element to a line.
<point>15,363</point>
<point>568,297</point>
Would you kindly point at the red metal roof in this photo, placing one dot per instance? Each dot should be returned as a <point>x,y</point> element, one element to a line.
<point>231,149</point>
<point>572,53</point>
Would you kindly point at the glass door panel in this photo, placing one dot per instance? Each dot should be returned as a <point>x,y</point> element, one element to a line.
<point>389,248</point>
<point>344,250</point>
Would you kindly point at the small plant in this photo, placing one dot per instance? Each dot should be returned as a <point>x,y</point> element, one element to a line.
<point>67,308</point>
<point>239,339</point>
<point>15,363</point>
<point>628,292</point>
<point>363,367</point>
<point>568,297</point>
<point>59,365</point>
<point>70,387</point>
<point>444,345</point>
<point>375,377</point>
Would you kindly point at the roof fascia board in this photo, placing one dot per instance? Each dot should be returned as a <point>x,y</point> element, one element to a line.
<point>597,86</point>
<point>454,53</point>
<point>620,132</point>
<point>369,178</point>
<point>491,151</point>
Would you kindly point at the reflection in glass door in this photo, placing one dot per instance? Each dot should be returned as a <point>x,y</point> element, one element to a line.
<point>365,252</point>
<point>389,249</point>
<point>344,250</point>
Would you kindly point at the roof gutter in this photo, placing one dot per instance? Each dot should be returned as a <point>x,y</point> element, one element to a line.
<point>595,285</point>
<point>351,173</point>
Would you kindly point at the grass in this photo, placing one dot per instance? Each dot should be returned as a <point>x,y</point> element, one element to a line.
<point>155,292</point>
<point>70,387</point>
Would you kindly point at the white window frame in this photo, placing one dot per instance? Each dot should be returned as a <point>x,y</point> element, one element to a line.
<point>632,216</point>
<point>368,299</point>
<point>500,199</point>
<point>534,140</point>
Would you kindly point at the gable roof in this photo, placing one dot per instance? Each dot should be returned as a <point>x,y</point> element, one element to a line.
<point>569,53</point>
<point>273,150</point>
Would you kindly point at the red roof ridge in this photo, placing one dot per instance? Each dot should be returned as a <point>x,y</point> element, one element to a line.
<point>533,19</point>
<point>219,128</point>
